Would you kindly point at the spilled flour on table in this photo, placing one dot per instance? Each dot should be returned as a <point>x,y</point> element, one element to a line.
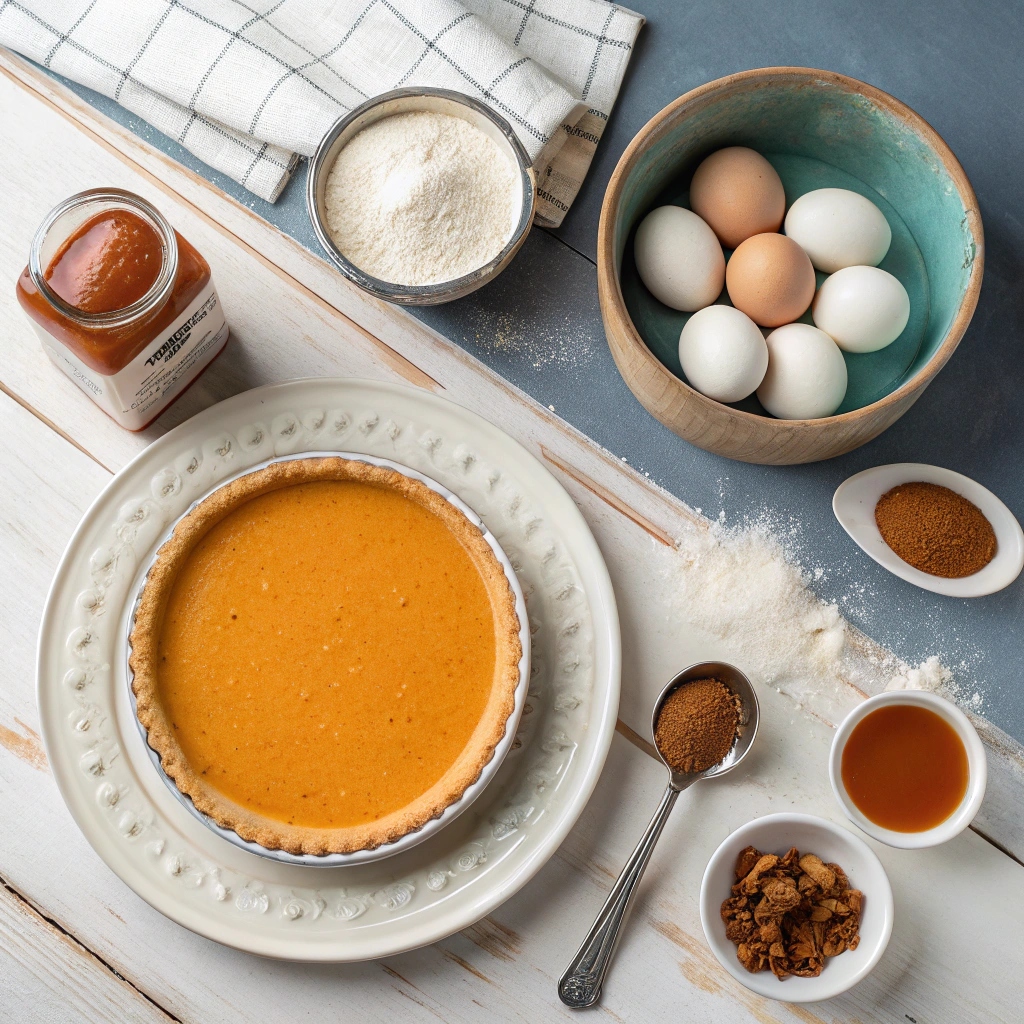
<point>746,587</point>
<point>568,343</point>
<point>932,675</point>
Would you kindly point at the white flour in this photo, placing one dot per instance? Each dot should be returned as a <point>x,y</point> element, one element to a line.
<point>421,198</point>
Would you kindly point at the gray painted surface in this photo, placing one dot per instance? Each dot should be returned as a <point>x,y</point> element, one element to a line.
<point>538,325</point>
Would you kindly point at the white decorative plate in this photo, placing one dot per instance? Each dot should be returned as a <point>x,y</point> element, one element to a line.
<point>425,893</point>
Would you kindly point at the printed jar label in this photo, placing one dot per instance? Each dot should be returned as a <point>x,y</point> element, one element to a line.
<point>138,393</point>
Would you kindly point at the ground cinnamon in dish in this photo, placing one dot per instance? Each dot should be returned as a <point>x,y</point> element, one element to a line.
<point>697,725</point>
<point>935,530</point>
<point>787,914</point>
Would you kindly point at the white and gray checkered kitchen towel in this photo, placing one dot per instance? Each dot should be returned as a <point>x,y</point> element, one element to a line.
<point>246,85</point>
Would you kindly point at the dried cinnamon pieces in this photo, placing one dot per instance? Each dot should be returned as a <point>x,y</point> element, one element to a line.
<point>787,914</point>
<point>935,529</point>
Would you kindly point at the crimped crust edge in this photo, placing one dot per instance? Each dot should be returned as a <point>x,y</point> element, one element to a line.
<point>265,831</point>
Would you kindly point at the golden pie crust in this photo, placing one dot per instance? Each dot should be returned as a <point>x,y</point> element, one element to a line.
<point>253,826</point>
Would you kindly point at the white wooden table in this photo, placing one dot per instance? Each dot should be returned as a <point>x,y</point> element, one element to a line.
<point>77,944</point>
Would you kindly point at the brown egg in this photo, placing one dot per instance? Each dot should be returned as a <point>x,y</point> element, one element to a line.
<point>739,194</point>
<point>770,278</point>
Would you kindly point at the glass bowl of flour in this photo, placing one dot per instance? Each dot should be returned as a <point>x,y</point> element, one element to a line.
<point>421,196</point>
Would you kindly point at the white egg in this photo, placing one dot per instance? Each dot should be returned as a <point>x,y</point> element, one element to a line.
<point>862,308</point>
<point>806,376</point>
<point>723,353</point>
<point>679,258</point>
<point>838,228</point>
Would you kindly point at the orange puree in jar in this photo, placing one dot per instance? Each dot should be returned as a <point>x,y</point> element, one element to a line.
<point>106,265</point>
<point>121,303</point>
<point>110,262</point>
<point>307,626</point>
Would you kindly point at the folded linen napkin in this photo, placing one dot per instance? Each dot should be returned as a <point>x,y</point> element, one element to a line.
<point>247,85</point>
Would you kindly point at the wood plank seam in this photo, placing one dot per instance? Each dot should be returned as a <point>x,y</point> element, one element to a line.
<point>998,845</point>
<point>30,908</point>
<point>636,739</point>
<point>860,641</point>
<point>398,362</point>
<point>609,498</point>
<point>53,426</point>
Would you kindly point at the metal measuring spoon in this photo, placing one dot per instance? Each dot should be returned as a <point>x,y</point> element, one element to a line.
<point>580,986</point>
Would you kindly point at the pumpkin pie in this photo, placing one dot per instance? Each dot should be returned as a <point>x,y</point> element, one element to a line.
<point>325,655</point>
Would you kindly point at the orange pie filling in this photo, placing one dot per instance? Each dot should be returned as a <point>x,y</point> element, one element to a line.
<point>325,655</point>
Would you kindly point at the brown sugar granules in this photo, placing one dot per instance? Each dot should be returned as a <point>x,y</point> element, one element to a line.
<point>697,725</point>
<point>935,530</point>
<point>787,914</point>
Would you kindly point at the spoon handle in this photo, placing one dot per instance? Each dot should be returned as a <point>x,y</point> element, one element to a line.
<point>580,986</point>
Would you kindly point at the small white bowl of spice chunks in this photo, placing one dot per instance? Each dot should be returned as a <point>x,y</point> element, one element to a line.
<point>796,908</point>
<point>940,530</point>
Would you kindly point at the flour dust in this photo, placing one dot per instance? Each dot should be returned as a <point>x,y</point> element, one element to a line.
<point>745,586</point>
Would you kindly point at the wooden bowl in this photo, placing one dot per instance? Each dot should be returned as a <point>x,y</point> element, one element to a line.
<point>819,129</point>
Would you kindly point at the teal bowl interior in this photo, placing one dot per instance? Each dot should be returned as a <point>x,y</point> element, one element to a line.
<point>817,134</point>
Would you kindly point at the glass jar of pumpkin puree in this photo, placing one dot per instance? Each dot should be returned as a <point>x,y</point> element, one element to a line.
<point>121,303</point>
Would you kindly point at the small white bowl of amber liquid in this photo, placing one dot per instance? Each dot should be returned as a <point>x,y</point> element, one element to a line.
<point>909,769</point>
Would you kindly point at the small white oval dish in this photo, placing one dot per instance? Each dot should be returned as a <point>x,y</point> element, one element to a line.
<point>854,505</point>
<point>977,766</point>
<point>776,833</point>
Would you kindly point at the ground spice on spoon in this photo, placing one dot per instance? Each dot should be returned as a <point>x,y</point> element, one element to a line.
<point>697,725</point>
<point>935,530</point>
